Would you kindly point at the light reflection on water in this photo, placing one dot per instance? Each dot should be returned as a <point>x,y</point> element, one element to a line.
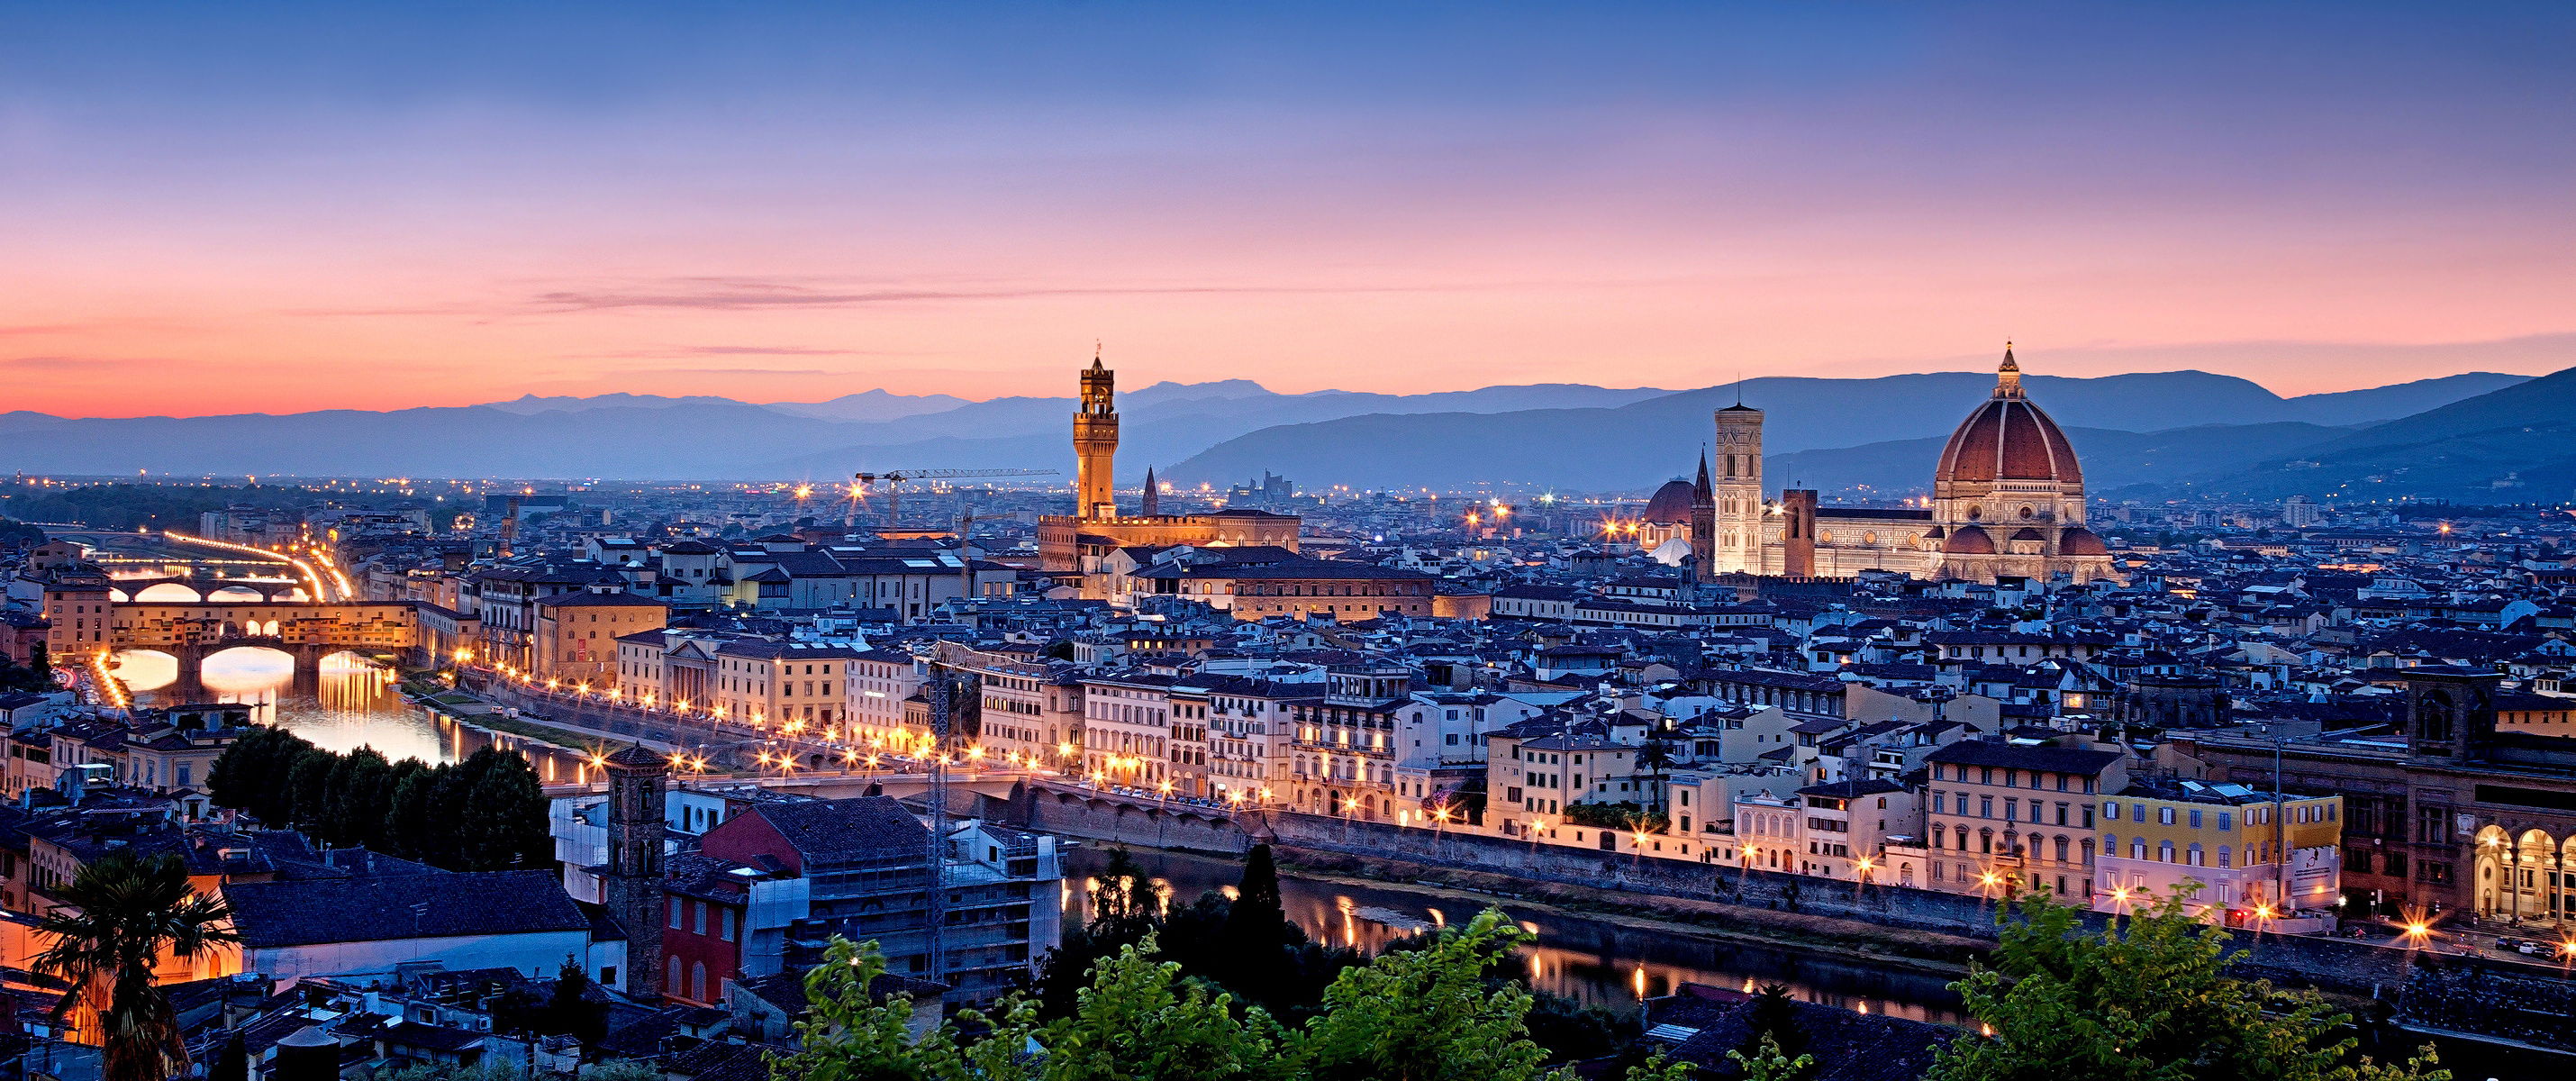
<point>353,704</point>
<point>1587,960</point>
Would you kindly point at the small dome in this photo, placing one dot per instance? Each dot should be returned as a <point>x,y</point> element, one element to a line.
<point>1969,540</point>
<point>1671,505</point>
<point>2026,533</point>
<point>2079,541</point>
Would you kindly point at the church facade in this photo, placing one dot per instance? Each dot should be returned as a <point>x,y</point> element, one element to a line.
<point>2007,501</point>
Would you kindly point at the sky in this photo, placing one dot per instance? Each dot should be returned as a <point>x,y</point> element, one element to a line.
<point>273,207</point>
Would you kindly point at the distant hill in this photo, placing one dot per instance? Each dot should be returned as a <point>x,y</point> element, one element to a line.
<point>873,405</point>
<point>1570,435</point>
<point>1643,442</point>
<point>2517,444</point>
<point>2113,460</point>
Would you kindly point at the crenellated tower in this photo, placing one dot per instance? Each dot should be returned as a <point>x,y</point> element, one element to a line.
<point>1095,444</point>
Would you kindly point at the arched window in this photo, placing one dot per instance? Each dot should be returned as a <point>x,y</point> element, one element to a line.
<point>671,982</point>
<point>698,981</point>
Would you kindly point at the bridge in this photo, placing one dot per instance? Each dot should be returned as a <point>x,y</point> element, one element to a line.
<point>307,631</point>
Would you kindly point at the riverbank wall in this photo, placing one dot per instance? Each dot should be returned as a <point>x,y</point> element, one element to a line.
<point>1735,897</point>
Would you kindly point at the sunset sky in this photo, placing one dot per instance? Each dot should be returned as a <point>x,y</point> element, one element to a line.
<point>269,207</point>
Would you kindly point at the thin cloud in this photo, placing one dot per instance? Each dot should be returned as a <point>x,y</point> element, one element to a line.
<point>748,295</point>
<point>740,371</point>
<point>69,363</point>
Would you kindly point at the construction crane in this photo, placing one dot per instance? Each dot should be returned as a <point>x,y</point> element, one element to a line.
<point>892,481</point>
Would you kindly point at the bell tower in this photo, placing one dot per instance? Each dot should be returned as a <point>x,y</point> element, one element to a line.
<point>1737,488</point>
<point>1095,444</point>
<point>632,884</point>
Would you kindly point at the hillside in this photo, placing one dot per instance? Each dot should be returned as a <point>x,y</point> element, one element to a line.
<point>2512,445</point>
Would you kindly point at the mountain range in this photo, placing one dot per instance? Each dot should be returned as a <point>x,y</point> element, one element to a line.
<point>2211,432</point>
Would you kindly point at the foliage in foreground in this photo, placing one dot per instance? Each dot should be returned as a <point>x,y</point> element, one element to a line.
<point>1425,1014</point>
<point>117,921</point>
<point>2150,1001</point>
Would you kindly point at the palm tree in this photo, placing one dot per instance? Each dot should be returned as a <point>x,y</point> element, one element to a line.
<point>117,920</point>
<point>1657,759</point>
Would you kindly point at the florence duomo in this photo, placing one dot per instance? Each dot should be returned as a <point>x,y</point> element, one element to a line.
<point>2007,501</point>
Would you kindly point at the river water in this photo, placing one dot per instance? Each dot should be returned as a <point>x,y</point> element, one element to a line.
<point>1606,964</point>
<point>1587,960</point>
<point>353,703</point>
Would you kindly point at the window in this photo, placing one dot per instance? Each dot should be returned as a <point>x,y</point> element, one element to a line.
<point>675,914</point>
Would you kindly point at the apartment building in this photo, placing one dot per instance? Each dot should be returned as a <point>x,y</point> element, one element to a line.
<point>2007,816</point>
<point>2243,853</point>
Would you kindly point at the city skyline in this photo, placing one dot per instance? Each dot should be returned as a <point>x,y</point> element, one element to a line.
<point>391,209</point>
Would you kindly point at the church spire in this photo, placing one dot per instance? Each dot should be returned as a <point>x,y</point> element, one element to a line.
<point>1153,503</point>
<point>2008,377</point>
<point>1702,488</point>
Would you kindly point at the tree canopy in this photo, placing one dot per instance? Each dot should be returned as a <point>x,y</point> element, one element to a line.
<point>2149,1000</point>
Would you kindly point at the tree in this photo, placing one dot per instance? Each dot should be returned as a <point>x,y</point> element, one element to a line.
<point>118,919</point>
<point>360,792</point>
<point>309,783</point>
<point>2150,1001</point>
<point>1428,1014</point>
<point>846,1036</point>
<point>1656,757</point>
<point>1139,1021</point>
<point>570,1011</point>
<point>1257,914</point>
<point>1769,1063</point>
<point>1774,1020</point>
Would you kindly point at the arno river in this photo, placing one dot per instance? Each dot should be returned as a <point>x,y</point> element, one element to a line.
<point>1582,959</point>
<point>352,704</point>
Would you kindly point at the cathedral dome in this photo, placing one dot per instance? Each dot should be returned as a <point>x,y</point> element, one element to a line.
<point>2008,439</point>
<point>1969,540</point>
<point>2079,541</point>
<point>1671,504</point>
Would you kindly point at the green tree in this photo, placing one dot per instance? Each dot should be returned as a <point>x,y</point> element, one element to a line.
<point>504,820</point>
<point>1428,1014</point>
<point>1769,1063</point>
<point>309,783</point>
<point>359,793</point>
<point>1139,1021</point>
<point>1256,920</point>
<point>2150,1001</point>
<point>118,919</point>
<point>570,1010</point>
<point>847,1036</point>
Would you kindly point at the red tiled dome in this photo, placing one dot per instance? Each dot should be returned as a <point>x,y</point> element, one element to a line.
<point>2008,438</point>
<point>1969,540</point>
<point>2026,533</point>
<point>2079,541</point>
<point>1671,504</point>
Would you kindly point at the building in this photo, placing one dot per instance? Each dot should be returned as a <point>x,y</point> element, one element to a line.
<point>631,880</point>
<point>2006,815</point>
<point>576,634</point>
<point>2456,814</point>
<point>2007,500</point>
<point>369,927</point>
<point>1074,543</point>
<point>2246,856</point>
<point>860,868</point>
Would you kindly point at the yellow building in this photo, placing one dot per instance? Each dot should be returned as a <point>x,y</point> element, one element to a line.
<point>2246,855</point>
